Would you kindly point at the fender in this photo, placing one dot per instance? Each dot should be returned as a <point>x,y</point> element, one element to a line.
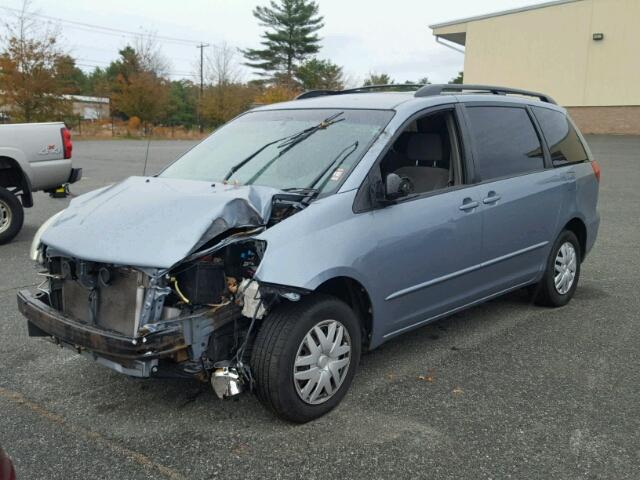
<point>18,162</point>
<point>19,157</point>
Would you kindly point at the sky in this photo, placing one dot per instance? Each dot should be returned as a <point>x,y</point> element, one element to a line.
<point>362,36</point>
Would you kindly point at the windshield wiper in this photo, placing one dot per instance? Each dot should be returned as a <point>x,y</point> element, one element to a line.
<point>300,190</point>
<point>286,144</point>
<point>337,161</point>
<point>246,160</point>
<point>299,197</point>
<point>303,135</point>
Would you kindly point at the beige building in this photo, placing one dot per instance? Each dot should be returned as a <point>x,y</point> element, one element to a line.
<point>584,53</point>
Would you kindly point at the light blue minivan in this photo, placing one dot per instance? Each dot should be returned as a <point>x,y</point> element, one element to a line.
<point>269,256</point>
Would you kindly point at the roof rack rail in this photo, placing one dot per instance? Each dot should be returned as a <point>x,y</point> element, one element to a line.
<point>368,88</point>
<point>430,90</point>
<point>433,90</point>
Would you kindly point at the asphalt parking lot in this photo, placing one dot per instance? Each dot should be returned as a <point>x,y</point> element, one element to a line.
<point>504,390</point>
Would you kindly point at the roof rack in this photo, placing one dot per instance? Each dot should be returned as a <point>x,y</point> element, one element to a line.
<point>368,88</point>
<point>432,90</point>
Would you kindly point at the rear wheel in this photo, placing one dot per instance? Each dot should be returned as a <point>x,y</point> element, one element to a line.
<point>11,215</point>
<point>562,273</point>
<point>305,356</point>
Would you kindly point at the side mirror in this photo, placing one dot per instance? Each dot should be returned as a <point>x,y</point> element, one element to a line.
<point>393,186</point>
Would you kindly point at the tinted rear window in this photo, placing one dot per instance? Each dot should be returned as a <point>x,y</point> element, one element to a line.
<point>564,145</point>
<point>505,142</point>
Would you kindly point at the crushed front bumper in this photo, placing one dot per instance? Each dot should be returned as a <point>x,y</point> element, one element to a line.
<point>134,356</point>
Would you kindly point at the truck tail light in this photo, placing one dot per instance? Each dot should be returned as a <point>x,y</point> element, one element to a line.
<point>596,169</point>
<point>67,145</point>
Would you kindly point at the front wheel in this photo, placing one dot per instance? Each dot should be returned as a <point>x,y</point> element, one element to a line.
<point>562,273</point>
<point>305,356</point>
<point>11,215</point>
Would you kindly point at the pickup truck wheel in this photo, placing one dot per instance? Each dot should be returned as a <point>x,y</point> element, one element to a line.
<point>11,215</point>
<point>305,356</point>
<point>562,273</point>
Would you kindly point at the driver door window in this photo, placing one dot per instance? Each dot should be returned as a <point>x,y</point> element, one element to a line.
<point>425,155</point>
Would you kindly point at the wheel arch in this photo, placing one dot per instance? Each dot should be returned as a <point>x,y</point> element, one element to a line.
<point>354,294</point>
<point>578,227</point>
<point>12,175</point>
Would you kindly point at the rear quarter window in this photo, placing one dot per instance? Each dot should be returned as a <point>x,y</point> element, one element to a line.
<point>505,142</point>
<point>564,144</point>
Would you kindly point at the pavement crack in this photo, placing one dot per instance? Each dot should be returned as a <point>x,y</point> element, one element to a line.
<point>5,290</point>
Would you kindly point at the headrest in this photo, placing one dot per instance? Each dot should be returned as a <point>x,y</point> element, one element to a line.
<point>425,147</point>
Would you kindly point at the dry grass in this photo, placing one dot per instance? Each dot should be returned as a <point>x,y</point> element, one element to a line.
<point>105,129</point>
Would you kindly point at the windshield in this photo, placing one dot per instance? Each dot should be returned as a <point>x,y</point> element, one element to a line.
<point>284,149</point>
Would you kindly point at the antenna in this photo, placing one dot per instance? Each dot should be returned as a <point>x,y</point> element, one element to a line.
<point>146,157</point>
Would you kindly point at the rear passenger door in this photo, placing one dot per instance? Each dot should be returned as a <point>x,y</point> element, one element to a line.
<point>520,198</point>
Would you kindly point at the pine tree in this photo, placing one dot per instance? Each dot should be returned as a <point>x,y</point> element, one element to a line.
<point>378,79</point>
<point>290,39</point>
<point>458,79</point>
<point>320,74</point>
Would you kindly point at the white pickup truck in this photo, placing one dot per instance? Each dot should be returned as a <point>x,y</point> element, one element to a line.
<point>33,157</point>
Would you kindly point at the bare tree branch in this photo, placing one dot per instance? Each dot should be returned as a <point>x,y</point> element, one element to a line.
<point>221,65</point>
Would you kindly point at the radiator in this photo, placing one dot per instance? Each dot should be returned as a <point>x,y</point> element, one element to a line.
<point>117,304</point>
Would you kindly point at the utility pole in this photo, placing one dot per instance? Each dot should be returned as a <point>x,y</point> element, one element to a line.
<point>202,46</point>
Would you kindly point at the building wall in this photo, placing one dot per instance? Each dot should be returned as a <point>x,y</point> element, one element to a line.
<point>552,50</point>
<point>91,110</point>
<point>607,120</point>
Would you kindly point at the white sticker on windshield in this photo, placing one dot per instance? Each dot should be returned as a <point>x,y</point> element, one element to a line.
<point>337,174</point>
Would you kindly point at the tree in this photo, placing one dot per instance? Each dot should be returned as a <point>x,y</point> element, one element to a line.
<point>317,74</point>
<point>137,89</point>
<point>223,102</point>
<point>72,79</point>
<point>181,103</point>
<point>128,64</point>
<point>458,79</point>
<point>222,65</point>
<point>290,39</point>
<point>225,96</point>
<point>378,79</point>
<point>30,86</point>
<point>98,83</point>
<point>142,95</point>
<point>275,94</point>
<point>149,56</point>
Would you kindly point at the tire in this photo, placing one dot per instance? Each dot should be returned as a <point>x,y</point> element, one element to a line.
<point>279,343</point>
<point>546,292</point>
<point>11,215</point>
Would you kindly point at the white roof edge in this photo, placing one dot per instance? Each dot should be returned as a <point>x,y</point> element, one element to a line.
<point>503,12</point>
<point>86,98</point>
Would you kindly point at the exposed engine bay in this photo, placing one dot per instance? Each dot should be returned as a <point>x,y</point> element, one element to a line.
<point>195,319</point>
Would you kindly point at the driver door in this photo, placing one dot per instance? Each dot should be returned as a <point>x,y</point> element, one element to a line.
<point>429,242</point>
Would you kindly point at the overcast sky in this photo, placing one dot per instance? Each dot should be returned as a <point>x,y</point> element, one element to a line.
<point>361,35</point>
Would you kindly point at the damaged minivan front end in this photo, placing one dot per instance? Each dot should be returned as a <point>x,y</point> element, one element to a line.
<point>192,313</point>
<point>229,266</point>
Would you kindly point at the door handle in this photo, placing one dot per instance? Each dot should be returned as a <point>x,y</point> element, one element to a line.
<point>468,204</point>
<point>492,197</point>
